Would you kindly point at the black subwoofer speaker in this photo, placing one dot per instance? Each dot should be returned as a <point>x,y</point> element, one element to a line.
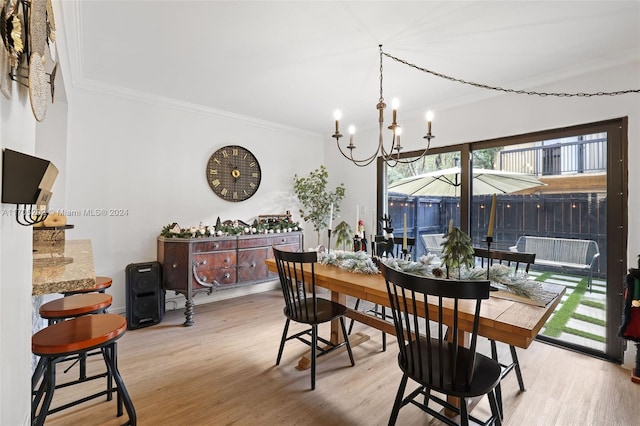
<point>145,296</point>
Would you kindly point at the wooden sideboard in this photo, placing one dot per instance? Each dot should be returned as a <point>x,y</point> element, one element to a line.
<point>202,265</point>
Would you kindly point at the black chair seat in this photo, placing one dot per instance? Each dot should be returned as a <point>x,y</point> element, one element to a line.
<point>326,310</point>
<point>486,373</point>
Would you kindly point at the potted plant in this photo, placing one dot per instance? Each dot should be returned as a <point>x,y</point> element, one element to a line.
<point>317,202</point>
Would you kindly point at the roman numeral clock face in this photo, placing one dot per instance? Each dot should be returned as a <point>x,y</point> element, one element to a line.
<point>233,173</point>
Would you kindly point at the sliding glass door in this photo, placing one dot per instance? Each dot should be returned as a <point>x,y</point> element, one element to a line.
<point>559,193</point>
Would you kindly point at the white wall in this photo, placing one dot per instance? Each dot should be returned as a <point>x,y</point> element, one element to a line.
<point>17,132</point>
<point>149,160</point>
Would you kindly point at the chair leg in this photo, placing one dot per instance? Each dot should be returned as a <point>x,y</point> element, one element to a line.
<point>384,335</point>
<point>398,402</point>
<point>498,390</point>
<point>495,412</point>
<point>49,386</point>
<point>284,339</point>
<point>314,346</point>
<point>110,356</point>
<point>346,339</point>
<point>464,412</point>
<point>355,308</point>
<point>516,364</point>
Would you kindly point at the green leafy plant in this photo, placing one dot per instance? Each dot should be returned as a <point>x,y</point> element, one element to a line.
<point>316,200</point>
<point>457,250</point>
<point>344,234</point>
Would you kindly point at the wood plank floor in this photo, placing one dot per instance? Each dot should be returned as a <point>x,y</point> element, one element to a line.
<point>222,371</point>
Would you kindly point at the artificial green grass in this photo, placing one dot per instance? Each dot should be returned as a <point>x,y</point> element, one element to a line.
<point>593,304</point>
<point>544,276</point>
<point>590,320</point>
<point>586,335</point>
<point>556,324</point>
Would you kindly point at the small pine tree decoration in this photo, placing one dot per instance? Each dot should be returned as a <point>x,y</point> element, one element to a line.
<point>343,233</point>
<point>457,250</point>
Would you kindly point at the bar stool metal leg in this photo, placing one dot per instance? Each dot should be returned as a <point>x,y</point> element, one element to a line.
<point>111,358</point>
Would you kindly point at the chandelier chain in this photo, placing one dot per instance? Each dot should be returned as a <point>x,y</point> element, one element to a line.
<point>381,98</point>
<point>502,89</point>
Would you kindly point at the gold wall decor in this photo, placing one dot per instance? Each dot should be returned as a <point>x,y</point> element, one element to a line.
<point>27,28</point>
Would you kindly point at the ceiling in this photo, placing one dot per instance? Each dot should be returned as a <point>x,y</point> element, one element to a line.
<point>294,63</point>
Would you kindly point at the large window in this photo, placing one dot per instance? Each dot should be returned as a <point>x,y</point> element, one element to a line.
<point>564,184</point>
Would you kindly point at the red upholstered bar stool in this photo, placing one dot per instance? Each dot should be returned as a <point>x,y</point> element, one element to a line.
<point>74,337</point>
<point>102,283</point>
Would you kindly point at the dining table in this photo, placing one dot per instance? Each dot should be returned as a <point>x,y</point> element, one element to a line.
<point>513,321</point>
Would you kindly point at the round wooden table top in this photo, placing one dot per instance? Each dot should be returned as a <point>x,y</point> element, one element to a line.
<point>78,334</point>
<point>72,306</point>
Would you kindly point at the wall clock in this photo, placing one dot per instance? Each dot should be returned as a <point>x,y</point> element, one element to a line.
<point>233,173</point>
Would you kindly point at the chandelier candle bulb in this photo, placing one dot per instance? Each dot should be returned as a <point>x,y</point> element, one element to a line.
<point>395,103</point>
<point>404,233</point>
<point>352,131</point>
<point>429,120</point>
<point>337,115</point>
<point>492,217</point>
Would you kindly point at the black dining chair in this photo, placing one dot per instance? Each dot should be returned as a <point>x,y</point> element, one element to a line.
<point>433,358</point>
<point>519,261</point>
<point>381,248</point>
<point>297,279</point>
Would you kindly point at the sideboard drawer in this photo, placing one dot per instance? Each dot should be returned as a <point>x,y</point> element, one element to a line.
<point>207,246</point>
<point>224,259</point>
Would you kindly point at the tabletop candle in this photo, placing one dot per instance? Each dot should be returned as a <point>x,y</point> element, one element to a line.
<point>492,216</point>
<point>450,225</point>
<point>404,233</point>
<point>357,219</point>
<point>331,216</point>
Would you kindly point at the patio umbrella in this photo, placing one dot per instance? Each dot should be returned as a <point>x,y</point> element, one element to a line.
<point>445,183</point>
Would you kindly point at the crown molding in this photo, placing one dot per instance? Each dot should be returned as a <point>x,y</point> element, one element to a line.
<point>166,102</point>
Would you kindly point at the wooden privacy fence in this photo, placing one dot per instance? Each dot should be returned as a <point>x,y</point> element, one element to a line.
<point>580,215</point>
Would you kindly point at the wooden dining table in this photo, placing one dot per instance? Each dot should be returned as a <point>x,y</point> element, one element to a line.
<point>510,321</point>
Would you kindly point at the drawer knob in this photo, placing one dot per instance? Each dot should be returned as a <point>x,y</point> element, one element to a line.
<point>204,262</point>
<point>175,265</point>
<point>227,275</point>
<point>253,265</point>
<point>216,245</point>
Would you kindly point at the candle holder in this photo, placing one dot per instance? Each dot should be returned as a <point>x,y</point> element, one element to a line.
<point>329,241</point>
<point>488,240</point>
<point>405,254</point>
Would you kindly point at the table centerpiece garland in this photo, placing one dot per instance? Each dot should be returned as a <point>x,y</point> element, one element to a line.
<point>358,262</point>
<point>501,276</point>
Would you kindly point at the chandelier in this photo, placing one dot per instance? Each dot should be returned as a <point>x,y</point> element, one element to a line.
<point>392,155</point>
